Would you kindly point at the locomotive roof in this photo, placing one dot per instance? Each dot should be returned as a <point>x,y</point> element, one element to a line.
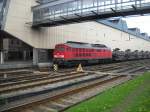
<point>86,45</point>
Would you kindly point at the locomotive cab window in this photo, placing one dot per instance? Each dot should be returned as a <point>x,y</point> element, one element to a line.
<point>60,48</point>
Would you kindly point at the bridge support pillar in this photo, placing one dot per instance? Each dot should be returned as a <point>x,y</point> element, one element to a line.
<point>35,56</point>
<point>1,57</point>
<point>24,55</point>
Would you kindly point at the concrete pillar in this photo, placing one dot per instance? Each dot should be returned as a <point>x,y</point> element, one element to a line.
<point>35,56</point>
<point>24,55</point>
<point>1,57</point>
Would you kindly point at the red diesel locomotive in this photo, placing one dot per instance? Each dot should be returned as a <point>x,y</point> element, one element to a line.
<point>77,52</point>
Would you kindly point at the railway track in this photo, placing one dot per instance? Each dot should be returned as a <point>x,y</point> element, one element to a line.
<point>61,104</point>
<point>41,76</point>
<point>45,78</point>
<point>42,79</point>
<point>57,92</point>
<point>15,73</point>
<point>34,88</point>
<point>29,79</point>
<point>48,80</point>
<point>19,74</point>
<point>24,77</point>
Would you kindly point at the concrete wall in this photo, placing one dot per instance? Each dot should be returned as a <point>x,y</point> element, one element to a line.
<point>20,13</point>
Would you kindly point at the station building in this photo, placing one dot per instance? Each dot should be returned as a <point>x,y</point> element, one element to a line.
<point>20,43</point>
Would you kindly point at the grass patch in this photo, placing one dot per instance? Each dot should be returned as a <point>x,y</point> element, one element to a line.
<point>141,102</point>
<point>112,98</point>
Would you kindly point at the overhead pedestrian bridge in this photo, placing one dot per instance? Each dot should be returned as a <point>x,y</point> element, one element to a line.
<point>60,12</point>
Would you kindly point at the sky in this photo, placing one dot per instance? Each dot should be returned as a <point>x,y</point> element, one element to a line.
<point>142,22</point>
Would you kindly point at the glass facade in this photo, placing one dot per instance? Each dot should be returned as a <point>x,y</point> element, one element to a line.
<point>1,5</point>
<point>2,10</point>
<point>83,8</point>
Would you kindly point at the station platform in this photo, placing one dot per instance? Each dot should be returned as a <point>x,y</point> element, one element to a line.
<point>16,65</point>
<point>23,64</point>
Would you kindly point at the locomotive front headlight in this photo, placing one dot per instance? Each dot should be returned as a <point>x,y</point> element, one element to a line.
<point>55,56</point>
<point>59,56</point>
<point>62,56</point>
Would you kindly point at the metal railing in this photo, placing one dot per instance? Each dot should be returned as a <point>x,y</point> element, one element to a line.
<point>44,1</point>
<point>75,9</point>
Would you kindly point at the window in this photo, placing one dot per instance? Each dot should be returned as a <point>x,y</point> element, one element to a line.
<point>76,55</point>
<point>60,49</point>
<point>83,50</point>
<point>73,50</point>
<point>80,50</point>
<point>1,5</point>
<point>2,8</point>
<point>18,42</point>
<point>89,54</point>
<point>12,42</point>
<point>68,49</point>
<point>76,49</point>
